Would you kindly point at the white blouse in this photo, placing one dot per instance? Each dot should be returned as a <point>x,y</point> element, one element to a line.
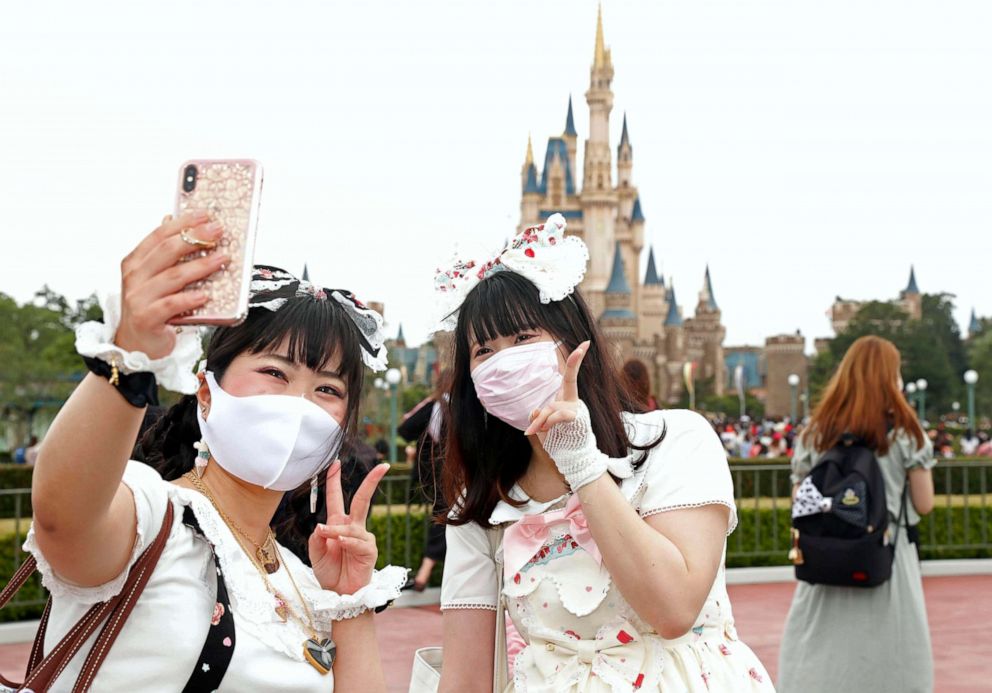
<point>163,637</point>
<point>687,470</point>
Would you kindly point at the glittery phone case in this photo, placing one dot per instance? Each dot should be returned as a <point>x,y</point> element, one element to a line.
<point>230,191</point>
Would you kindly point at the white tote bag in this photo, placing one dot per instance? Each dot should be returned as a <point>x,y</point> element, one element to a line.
<point>427,661</point>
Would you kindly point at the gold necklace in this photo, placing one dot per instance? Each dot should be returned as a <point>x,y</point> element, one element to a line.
<point>268,560</point>
<point>319,652</point>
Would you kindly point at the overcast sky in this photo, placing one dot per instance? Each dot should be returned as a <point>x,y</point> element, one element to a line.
<point>802,149</point>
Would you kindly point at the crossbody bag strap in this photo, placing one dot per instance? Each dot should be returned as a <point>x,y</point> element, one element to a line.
<point>43,675</point>
<point>500,669</point>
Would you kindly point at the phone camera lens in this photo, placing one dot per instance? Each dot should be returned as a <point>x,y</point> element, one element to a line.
<point>189,178</point>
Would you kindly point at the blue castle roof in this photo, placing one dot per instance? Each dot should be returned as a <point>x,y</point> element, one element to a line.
<point>711,303</point>
<point>911,288</point>
<point>651,277</point>
<point>531,185</point>
<point>618,279</point>
<point>974,326</point>
<point>557,147</point>
<point>569,120</point>
<point>637,214</point>
<point>673,319</point>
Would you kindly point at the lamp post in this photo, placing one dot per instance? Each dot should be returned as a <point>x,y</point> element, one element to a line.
<point>793,396</point>
<point>392,382</point>
<point>921,388</point>
<point>970,378</point>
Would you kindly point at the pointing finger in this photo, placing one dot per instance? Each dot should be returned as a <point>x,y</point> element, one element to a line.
<point>332,492</point>
<point>570,386</point>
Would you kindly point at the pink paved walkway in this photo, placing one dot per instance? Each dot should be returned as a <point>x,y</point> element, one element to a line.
<point>960,610</point>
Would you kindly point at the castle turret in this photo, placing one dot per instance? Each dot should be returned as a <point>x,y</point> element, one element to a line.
<point>625,157</point>
<point>570,136</point>
<point>306,273</point>
<point>530,199</point>
<point>910,298</point>
<point>704,337</point>
<point>618,321</point>
<point>974,326</point>
<point>652,303</point>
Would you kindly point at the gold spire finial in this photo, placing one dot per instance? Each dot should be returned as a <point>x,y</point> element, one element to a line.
<point>530,152</point>
<point>601,57</point>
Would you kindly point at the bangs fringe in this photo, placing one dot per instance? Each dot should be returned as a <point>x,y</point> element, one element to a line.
<point>501,308</point>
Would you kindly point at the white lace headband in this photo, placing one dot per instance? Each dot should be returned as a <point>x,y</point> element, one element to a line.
<point>271,287</point>
<point>542,254</point>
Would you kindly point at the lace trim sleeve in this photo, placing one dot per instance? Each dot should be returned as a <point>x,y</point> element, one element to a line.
<point>731,524</point>
<point>450,606</point>
<point>329,606</point>
<point>61,588</point>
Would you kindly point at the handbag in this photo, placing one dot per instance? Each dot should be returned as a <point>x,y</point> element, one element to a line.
<point>427,661</point>
<point>42,670</point>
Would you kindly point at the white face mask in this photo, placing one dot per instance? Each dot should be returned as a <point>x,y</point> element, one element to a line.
<point>273,441</point>
<point>514,382</point>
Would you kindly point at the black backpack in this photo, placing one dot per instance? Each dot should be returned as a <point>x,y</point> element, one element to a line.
<point>840,520</point>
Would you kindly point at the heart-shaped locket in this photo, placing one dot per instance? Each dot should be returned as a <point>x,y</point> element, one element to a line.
<point>320,654</point>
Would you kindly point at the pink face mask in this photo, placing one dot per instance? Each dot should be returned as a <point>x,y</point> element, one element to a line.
<point>514,382</point>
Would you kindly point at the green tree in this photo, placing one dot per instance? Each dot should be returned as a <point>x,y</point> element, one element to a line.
<point>980,353</point>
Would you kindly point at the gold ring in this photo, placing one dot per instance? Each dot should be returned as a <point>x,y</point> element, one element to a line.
<point>195,242</point>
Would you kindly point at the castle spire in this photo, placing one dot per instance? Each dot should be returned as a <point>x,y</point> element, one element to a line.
<point>306,273</point>
<point>911,288</point>
<point>601,56</point>
<point>673,319</point>
<point>530,152</point>
<point>618,279</point>
<point>624,137</point>
<point>400,339</point>
<point>570,121</point>
<point>651,277</point>
<point>637,214</point>
<point>974,326</point>
<point>708,291</point>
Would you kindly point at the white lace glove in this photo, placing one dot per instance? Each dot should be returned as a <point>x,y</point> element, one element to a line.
<point>173,372</point>
<point>572,445</point>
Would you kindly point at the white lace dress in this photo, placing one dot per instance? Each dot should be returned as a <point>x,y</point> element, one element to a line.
<point>579,632</point>
<point>160,642</point>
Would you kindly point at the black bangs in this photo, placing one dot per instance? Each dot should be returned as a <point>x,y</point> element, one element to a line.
<point>501,305</point>
<point>315,331</point>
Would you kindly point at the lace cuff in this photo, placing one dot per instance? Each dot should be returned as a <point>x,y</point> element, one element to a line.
<point>384,587</point>
<point>173,372</point>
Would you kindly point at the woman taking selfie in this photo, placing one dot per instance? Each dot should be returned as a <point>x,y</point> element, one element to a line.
<point>866,638</point>
<point>614,522</point>
<point>225,607</point>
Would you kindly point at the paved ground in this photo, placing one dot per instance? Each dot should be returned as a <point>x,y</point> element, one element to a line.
<point>960,610</point>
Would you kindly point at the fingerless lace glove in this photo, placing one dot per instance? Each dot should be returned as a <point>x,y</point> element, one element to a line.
<point>572,445</point>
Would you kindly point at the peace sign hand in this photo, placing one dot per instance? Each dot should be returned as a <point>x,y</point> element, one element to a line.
<point>342,552</point>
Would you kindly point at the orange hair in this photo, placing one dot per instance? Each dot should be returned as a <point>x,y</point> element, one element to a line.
<point>863,398</point>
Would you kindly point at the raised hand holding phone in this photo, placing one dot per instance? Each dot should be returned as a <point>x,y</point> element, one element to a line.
<point>154,283</point>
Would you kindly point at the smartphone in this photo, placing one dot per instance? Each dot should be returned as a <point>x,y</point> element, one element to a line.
<point>230,190</point>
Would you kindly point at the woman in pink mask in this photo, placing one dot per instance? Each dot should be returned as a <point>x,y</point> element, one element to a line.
<point>600,529</point>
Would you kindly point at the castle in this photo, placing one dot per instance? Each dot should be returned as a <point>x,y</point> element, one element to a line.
<point>642,319</point>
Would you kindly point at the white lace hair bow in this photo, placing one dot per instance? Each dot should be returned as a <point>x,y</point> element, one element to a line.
<point>553,263</point>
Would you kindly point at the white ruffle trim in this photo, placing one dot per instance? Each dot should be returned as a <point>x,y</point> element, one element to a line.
<point>59,588</point>
<point>731,522</point>
<point>330,606</point>
<point>173,372</point>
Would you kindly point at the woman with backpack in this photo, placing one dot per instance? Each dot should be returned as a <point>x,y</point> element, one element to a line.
<point>225,606</point>
<point>854,638</point>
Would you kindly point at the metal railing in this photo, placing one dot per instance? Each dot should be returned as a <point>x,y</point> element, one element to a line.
<point>959,526</point>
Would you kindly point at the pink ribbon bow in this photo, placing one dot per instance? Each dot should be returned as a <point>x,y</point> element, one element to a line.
<point>525,538</point>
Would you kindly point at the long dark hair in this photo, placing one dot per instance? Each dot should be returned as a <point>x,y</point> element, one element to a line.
<point>485,456</point>
<point>315,331</point>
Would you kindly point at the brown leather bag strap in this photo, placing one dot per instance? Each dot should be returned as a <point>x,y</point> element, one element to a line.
<point>129,597</point>
<point>17,582</point>
<point>41,676</point>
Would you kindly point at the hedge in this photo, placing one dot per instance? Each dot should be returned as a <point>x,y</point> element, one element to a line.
<point>752,544</point>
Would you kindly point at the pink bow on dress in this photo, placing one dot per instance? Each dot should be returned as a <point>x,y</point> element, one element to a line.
<point>525,537</point>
